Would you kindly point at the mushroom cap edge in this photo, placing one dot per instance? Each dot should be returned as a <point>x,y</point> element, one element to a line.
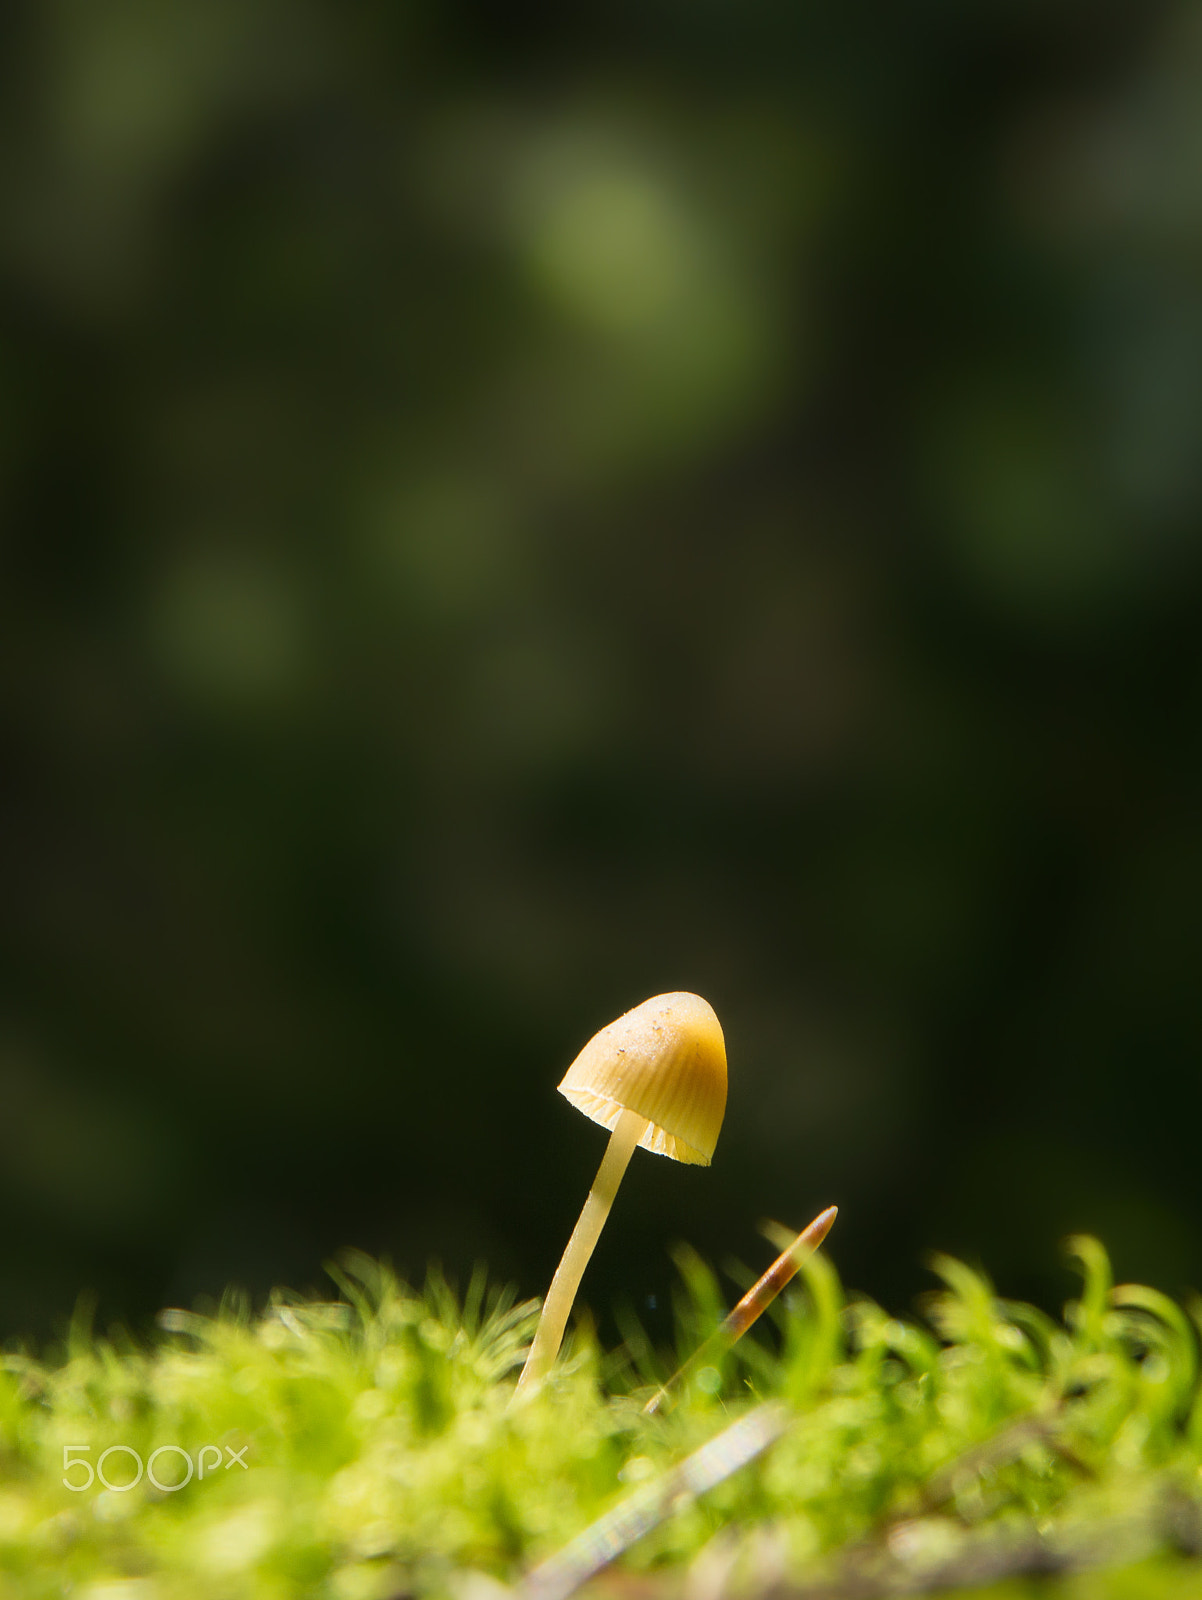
<point>666,1060</point>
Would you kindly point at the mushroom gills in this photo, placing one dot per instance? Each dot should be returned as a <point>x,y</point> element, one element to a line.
<point>655,1077</point>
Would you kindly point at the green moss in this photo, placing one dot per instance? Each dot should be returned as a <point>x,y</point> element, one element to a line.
<point>382,1454</point>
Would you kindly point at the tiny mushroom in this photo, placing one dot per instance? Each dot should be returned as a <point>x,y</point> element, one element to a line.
<point>656,1077</point>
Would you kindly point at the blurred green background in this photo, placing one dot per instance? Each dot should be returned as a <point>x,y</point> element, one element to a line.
<point>509,510</point>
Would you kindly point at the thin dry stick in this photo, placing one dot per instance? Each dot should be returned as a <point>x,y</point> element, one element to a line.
<point>753,1304</point>
<point>617,1530</point>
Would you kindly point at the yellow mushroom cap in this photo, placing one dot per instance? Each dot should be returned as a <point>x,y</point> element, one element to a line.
<point>665,1060</point>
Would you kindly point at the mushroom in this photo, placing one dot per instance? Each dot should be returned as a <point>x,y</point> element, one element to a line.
<point>656,1077</point>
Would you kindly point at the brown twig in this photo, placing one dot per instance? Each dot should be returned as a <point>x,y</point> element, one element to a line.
<point>752,1306</point>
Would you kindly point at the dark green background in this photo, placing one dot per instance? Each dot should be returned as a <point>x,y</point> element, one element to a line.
<point>509,510</point>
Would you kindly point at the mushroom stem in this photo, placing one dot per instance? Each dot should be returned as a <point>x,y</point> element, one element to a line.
<point>548,1337</point>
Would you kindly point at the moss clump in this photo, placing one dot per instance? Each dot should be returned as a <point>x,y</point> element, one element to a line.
<point>380,1454</point>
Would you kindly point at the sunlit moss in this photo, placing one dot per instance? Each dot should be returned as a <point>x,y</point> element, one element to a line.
<point>368,1446</point>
